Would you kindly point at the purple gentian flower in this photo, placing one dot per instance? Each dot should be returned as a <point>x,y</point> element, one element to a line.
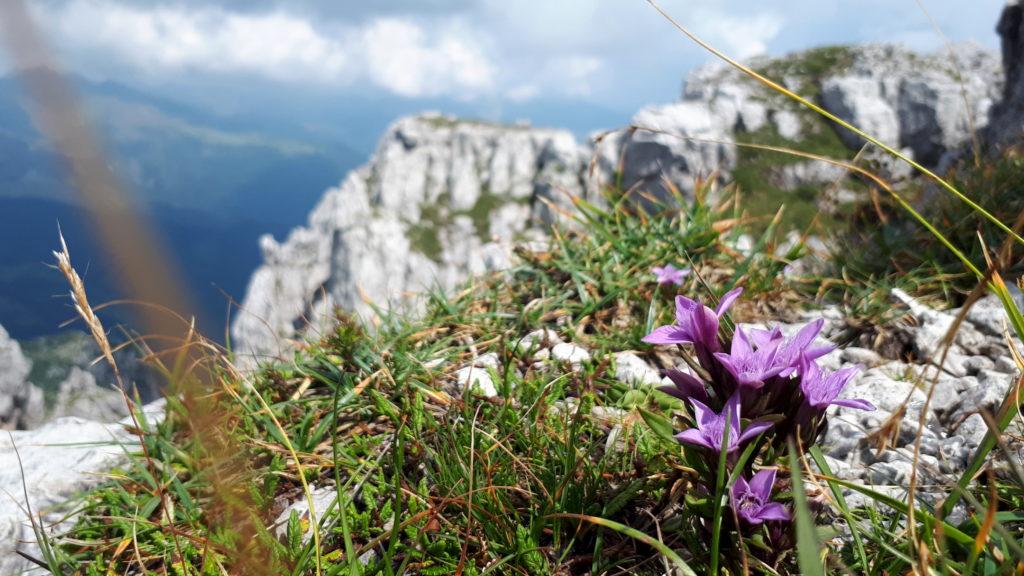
<point>695,323</point>
<point>752,501</point>
<point>790,350</point>
<point>748,366</point>
<point>711,427</point>
<point>821,389</point>
<point>684,386</point>
<point>669,274</point>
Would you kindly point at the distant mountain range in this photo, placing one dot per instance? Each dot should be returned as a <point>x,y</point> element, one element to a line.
<point>209,186</point>
<point>216,256</point>
<point>210,182</point>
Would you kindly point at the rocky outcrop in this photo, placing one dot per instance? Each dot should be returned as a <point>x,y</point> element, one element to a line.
<point>21,403</point>
<point>56,376</point>
<point>1008,114</point>
<point>928,104</point>
<point>57,461</point>
<point>439,201</point>
<point>443,199</point>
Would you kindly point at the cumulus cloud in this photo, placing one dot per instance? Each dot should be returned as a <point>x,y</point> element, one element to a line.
<point>741,37</point>
<point>617,53</point>
<point>402,59</point>
<point>398,55</point>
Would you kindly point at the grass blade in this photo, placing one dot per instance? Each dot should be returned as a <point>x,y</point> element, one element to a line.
<point>807,545</point>
<point>635,534</point>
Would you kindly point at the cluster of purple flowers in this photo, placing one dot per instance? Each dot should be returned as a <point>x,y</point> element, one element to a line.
<point>766,386</point>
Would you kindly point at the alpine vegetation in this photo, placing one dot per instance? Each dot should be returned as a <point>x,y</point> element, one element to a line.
<point>744,406</point>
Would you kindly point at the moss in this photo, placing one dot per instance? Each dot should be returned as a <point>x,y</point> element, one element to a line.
<point>440,121</point>
<point>755,170</point>
<point>425,233</point>
<point>51,357</point>
<point>425,240</point>
<point>481,211</point>
<point>810,66</point>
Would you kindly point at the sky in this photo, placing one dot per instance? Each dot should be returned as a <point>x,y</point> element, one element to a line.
<point>613,54</point>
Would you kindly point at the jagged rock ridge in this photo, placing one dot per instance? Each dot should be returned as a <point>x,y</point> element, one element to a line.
<point>440,200</point>
<point>443,199</point>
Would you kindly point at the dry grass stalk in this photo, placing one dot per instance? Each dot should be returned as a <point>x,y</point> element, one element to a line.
<point>84,310</point>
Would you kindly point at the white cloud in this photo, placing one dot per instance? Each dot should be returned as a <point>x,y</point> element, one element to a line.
<point>398,55</point>
<point>275,45</point>
<point>617,53</point>
<point>402,59</point>
<point>740,37</point>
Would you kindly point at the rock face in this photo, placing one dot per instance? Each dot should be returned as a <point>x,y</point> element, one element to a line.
<point>76,386</point>
<point>443,199</point>
<point>1008,114</point>
<point>927,103</point>
<point>21,403</point>
<point>58,461</point>
<point>439,201</point>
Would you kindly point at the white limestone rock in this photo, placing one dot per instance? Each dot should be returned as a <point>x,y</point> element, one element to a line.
<point>915,101</point>
<point>476,380</point>
<point>79,395</point>
<point>537,340</point>
<point>571,353</point>
<point>440,201</point>
<point>58,461</point>
<point>21,403</point>
<point>323,498</point>
<point>988,314</point>
<point>632,370</point>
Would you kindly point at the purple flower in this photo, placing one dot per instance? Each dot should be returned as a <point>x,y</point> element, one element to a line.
<point>752,501</point>
<point>822,388</point>
<point>684,386</point>
<point>669,274</point>
<point>748,366</point>
<point>711,427</point>
<point>695,323</point>
<point>790,350</point>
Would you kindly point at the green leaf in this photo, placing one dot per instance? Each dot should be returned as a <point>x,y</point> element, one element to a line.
<point>807,545</point>
<point>659,424</point>
<point>837,493</point>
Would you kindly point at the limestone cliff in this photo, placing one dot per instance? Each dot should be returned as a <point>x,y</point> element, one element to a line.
<point>440,200</point>
<point>443,199</point>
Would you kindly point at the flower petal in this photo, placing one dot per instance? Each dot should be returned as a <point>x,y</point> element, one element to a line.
<point>727,361</point>
<point>740,487</point>
<point>814,351</point>
<point>687,385</point>
<point>762,482</point>
<point>754,429</point>
<point>668,335</point>
<point>773,511</point>
<point>702,413</point>
<point>741,344</point>
<point>761,337</point>
<point>694,437</point>
<point>855,403</point>
<point>727,301</point>
<point>806,335</point>
<point>685,310</point>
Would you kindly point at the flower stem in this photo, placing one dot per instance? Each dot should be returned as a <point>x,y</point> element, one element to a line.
<point>716,523</point>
